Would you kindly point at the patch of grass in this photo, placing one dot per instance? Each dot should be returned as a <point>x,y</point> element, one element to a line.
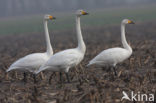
<point>28,24</point>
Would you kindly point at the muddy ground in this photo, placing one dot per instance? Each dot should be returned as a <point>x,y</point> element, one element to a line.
<point>88,84</point>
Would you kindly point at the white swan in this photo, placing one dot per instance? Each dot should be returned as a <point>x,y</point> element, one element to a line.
<point>113,56</point>
<point>32,62</point>
<point>64,60</point>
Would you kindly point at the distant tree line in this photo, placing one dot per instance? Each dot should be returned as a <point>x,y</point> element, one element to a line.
<point>19,7</point>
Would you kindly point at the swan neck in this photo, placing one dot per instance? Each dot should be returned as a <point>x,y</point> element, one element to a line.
<point>123,38</point>
<point>81,44</point>
<point>48,43</point>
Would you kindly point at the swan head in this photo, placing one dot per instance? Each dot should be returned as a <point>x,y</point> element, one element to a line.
<point>49,17</point>
<point>81,12</point>
<point>127,21</point>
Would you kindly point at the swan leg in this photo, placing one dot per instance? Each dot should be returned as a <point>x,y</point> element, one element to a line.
<point>34,76</point>
<point>50,78</point>
<point>76,73</point>
<point>7,76</point>
<point>67,77</point>
<point>15,74</point>
<point>103,68</point>
<point>35,90</point>
<point>25,77</point>
<point>60,76</point>
<point>42,76</point>
<point>115,71</point>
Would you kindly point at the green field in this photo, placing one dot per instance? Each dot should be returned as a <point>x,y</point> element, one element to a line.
<point>100,17</point>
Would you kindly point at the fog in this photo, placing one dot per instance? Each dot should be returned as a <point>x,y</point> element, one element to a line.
<point>26,7</point>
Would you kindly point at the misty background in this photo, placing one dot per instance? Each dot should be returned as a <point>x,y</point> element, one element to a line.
<point>25,7</point>
<point>26,16</point>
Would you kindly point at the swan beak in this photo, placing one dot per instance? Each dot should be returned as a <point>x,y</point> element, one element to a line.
<point>130,22</point>
<point>84,13</point>
<point>51,17</point>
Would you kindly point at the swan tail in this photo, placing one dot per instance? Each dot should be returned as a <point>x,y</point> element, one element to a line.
<point>10,69</point>
<point>40,69</point>
<point>90,63</point>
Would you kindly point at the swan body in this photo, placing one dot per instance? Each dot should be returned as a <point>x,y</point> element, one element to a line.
<point>32,62</point>
<point>110,57</point>
<point>64,60</point>
<point>113,56</point>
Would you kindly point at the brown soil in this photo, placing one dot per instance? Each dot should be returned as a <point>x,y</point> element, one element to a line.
<point>88,84</point>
